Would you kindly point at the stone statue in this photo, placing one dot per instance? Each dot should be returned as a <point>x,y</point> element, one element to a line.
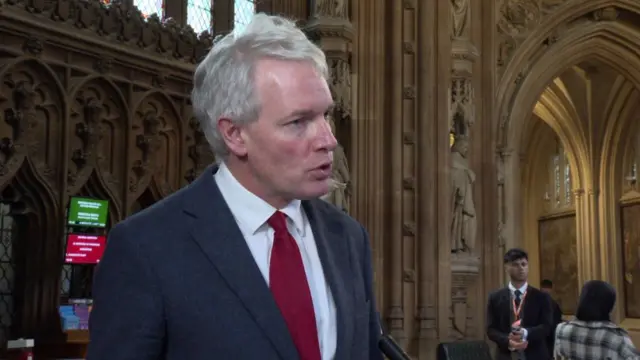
<point>460,18</point>
<point>340,193</point>
<point>341,85</point>
<point>464,222</point>
<point>331,8</point>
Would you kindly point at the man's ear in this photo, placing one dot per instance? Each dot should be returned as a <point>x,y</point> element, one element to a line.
<point>232,136</point>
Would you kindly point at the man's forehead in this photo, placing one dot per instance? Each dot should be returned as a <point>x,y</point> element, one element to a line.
<point>522,261</point>
<point>297,91</point>
<point>286,73</point>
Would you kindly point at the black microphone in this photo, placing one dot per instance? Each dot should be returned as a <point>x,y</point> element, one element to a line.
<point>389,347</point>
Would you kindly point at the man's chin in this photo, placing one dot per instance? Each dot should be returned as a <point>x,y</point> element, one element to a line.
<point>316,191</point>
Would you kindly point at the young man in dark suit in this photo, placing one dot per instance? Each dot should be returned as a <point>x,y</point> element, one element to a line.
<point>519,316</point>
<point>546,285</point>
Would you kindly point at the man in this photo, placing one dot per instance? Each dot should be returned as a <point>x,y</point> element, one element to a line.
<point>546,285</point>
<point>519,315</point>
<point>246,262</point>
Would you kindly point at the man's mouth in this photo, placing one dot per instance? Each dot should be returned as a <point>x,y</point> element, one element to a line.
<point>323,171</point>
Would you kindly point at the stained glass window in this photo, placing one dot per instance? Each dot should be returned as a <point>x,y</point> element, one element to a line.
<point>150,7</point>
<point>556,179</point>
<point>7,236</point>
<point>567,181</point>
<point>243,11</point>
<point>200,15</point>
<point>560,177</point>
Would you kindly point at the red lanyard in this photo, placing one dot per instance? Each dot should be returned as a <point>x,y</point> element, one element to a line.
<point>517,310</point>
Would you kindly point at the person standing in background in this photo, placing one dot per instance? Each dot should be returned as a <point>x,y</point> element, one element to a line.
<point>519,316</point>
<point>546,285</point>
<point>592,335</point>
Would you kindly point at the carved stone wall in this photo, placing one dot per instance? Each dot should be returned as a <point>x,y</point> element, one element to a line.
<point>94,101</point>
<point>330,26</point>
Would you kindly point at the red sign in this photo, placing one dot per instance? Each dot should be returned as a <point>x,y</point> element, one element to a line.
<point>84,249</point>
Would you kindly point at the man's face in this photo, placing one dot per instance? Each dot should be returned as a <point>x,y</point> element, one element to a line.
<point>518,270</point>
<point>546,289</point>
<point>289,149</point>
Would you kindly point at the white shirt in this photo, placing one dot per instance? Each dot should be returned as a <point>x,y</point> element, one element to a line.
<point>251,214</point>
<point>522,289</point>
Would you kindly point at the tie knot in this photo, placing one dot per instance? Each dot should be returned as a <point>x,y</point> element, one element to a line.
<point>278,221</point>
<point>518,293</point>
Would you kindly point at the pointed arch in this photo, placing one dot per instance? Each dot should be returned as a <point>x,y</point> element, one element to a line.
<point>535,43</point>
<point>12,64</point>
<point>611,43</point>
<point>46,107</point>
<point>113,120</point>
<point>167,100</point>
<point>109,83</point>
<point>170,133</point>
<point>40,207</point>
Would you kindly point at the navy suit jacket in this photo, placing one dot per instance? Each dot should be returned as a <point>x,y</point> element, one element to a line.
<point>178,281</point>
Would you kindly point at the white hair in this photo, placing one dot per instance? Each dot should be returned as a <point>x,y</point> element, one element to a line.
<point>224,82</point>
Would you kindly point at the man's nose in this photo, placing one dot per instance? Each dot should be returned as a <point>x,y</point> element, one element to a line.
<point>325,137</point>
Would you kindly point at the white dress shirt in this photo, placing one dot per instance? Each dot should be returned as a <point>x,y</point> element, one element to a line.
<point>251,214</point>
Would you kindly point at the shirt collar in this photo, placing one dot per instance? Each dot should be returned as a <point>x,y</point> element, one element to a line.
<point>522,289</point>
<point>249,209</point>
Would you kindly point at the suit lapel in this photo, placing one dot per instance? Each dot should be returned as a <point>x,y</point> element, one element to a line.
<point>528,306</point>
<point>214,229</point>
<point>334,255</point>
<point>507,307</point>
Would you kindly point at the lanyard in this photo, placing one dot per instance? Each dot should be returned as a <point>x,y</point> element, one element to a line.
<point>517,310</point>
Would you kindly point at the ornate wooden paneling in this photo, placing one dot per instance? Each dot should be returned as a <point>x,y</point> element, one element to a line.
<point>94,100</point>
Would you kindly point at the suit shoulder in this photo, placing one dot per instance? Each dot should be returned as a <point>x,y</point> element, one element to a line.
<point>332,213</point>
<point>497,292</point>
<point>537,292</point>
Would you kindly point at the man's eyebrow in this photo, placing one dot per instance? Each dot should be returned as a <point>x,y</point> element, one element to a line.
<point>307,112</point>
<point>300,113</point>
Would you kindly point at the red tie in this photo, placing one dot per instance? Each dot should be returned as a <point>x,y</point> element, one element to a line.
<point>288,283</point>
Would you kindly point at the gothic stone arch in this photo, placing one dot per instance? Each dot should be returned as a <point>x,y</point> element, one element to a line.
<point>577,31</point>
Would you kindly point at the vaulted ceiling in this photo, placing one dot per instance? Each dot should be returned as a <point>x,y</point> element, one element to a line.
<point>583,106</point>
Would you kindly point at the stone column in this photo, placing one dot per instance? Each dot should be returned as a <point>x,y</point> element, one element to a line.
<point>587,234</point>
<point>465,249</point>
<point>331,27</point>
<point>368,157</point>
<point>430,53</point>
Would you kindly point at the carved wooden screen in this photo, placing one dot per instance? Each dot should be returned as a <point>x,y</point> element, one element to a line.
<point>94,101</point>
<point>558,259</point>
<point>631,258</point>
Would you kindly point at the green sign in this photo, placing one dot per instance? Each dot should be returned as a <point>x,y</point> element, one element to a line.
<point>87,212</point>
